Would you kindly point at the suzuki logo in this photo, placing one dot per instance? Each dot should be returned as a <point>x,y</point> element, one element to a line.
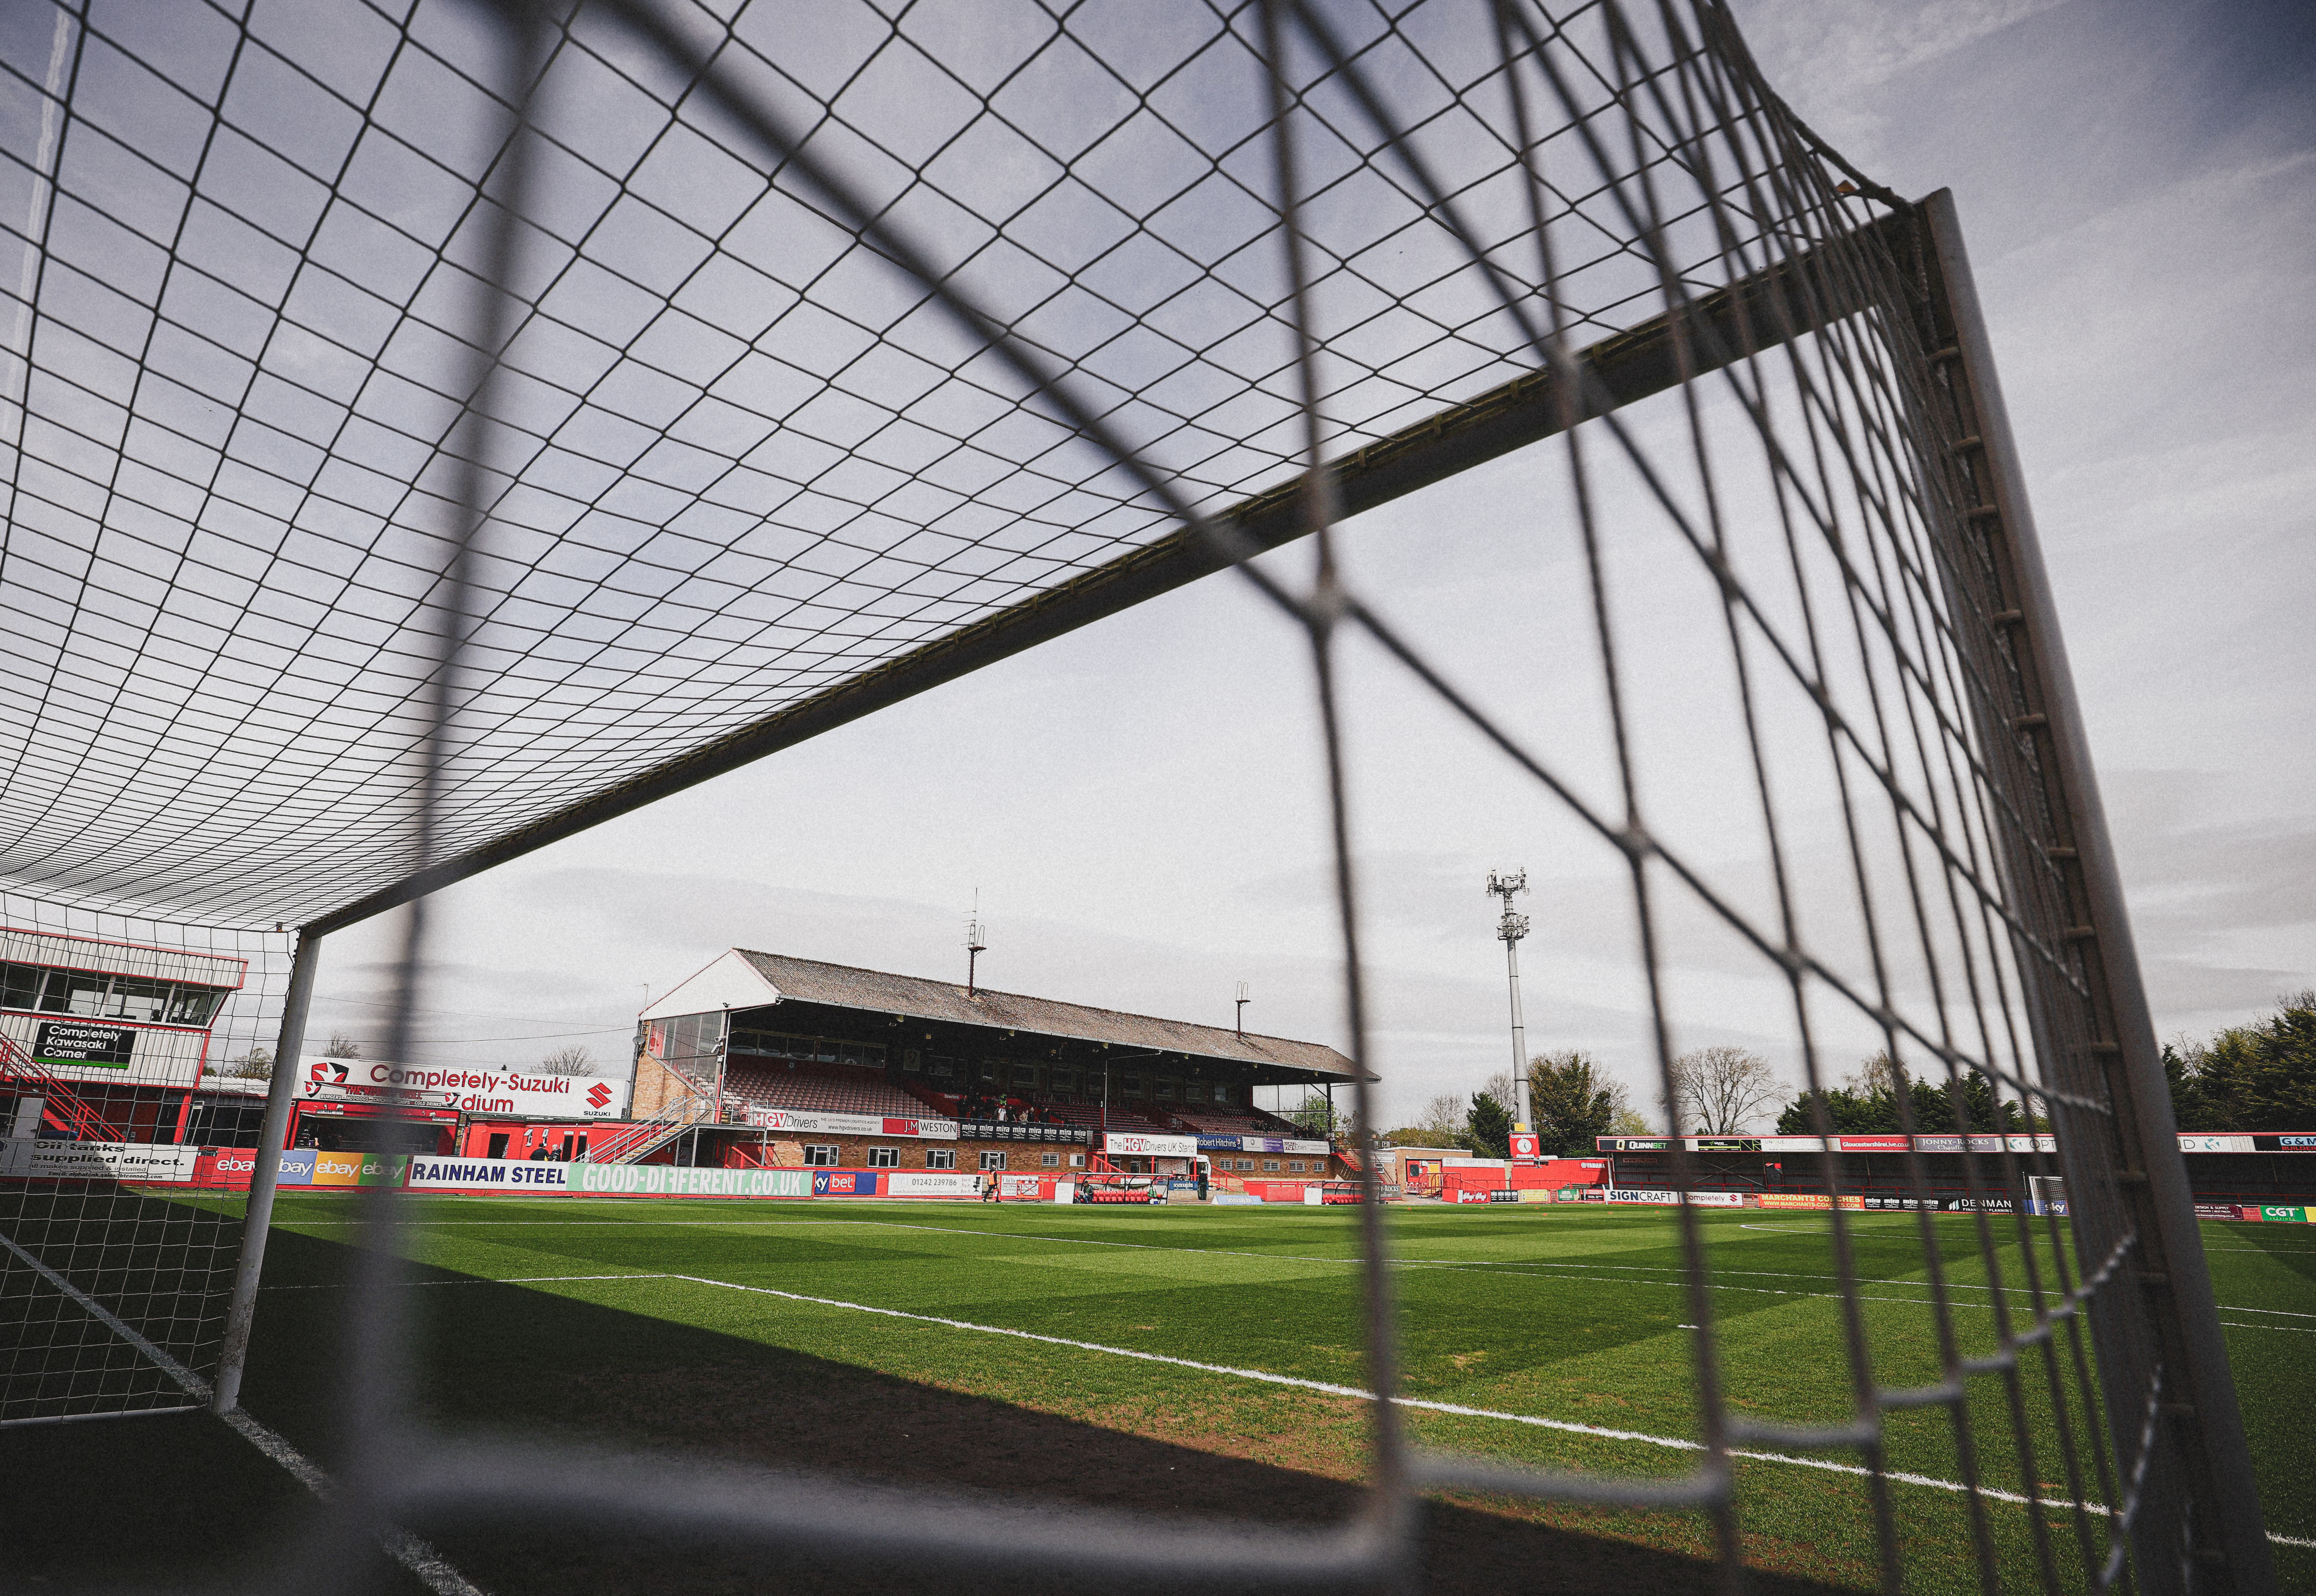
<point>598,1095</point>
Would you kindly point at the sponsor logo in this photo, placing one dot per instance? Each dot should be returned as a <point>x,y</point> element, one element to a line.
<point>1807,1199</point>
<point>1154,1146</point>
<point>1695,1199</point>
<point>322,1072</point>
<point>598,1095</point>
<point>1908,1203</point>
<point>1980,1205</point>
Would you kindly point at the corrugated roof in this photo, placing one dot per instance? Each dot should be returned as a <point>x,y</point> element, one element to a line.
<point>808,980</point>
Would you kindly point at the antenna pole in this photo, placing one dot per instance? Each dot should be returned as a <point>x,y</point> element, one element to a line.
<point>1244,998</point>
<point>1509,929</point>
<point>977,942</point>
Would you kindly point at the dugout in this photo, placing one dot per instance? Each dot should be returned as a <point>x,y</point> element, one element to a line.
<point>768,1060</point>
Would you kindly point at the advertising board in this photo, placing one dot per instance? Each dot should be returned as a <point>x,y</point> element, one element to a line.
<point>1695,1199</point>
<point>671,1179</point>
<point>1151,1146</point>
<point>800,1119</point>
<point>2216,1143</point>
<point>355,1169</point>
<point>2276,1213</point>
<point>159,1162</point>
<point>2215,1210</point>
<point>533,1177</point>
<point>910,1182</point>
<point>1808,1199</point>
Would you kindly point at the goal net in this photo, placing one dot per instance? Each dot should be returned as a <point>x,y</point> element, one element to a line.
<point>429,432</point>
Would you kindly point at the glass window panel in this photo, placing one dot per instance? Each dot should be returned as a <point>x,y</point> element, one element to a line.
<point>74,991</point>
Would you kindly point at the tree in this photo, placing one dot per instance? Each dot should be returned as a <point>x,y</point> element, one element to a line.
<point>1867,1104</point>
<point>342,1046</point>
<point>256,1064</point>
<point>571,1060</point>
<point>1488,1131</point>
<point>1311,1117</point>
<point>1720,1088</point>
<point>1574,1101</point>
<point>1443,1117</point>
<point>1630,1122</point>
<point>2260,1076</point>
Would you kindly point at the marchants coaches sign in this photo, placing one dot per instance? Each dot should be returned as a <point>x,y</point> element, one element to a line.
<point>471,1091</point>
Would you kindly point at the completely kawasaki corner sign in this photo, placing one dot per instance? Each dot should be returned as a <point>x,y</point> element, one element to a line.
<point>75,1043</point>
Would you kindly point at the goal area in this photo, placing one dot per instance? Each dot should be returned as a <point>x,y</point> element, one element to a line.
<point>430,431</point>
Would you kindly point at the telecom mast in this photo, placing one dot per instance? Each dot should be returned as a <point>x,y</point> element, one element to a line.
<point>976,943</point>
<point>1509,929</point>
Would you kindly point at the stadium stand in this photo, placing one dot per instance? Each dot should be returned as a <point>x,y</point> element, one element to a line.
<point>835,1091</point>
<point>1254,1122</point>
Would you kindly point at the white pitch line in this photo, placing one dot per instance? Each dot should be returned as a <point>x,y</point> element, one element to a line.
<point>413,1554</point>
<point>1456,1410</point>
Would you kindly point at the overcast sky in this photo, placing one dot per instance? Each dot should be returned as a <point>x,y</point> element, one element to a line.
<point>1139,805</point>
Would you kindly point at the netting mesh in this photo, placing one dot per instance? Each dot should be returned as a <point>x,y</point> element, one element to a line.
<point>738,455</point>
<point>84,1215</point>
<point>423,423</point>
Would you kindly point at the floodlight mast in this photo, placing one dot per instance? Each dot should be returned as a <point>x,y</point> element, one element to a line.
<point>1509,929</point>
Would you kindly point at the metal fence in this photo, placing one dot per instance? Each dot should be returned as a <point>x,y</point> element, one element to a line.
<point>432,432</point>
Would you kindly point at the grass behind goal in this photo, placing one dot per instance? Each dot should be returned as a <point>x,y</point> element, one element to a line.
<point>874,1340</point>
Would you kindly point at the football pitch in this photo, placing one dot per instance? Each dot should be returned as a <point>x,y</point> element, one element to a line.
<point>1197,1360</point>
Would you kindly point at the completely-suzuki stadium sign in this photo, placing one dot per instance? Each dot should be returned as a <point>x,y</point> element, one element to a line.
<point>471,1091</point>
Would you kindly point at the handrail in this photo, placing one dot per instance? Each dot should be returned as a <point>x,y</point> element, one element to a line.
<point>60,1105</point>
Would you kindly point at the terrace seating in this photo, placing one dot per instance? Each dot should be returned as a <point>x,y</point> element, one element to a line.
<point>1069,1108</point>
<point>818,1092</point>
<point>1249,1122</point>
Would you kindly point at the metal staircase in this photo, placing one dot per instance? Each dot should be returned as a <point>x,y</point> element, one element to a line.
<point>60,1105</point>
<point>640,1140</point>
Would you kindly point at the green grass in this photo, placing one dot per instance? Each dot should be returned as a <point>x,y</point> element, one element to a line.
<point>1569,1314</point>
